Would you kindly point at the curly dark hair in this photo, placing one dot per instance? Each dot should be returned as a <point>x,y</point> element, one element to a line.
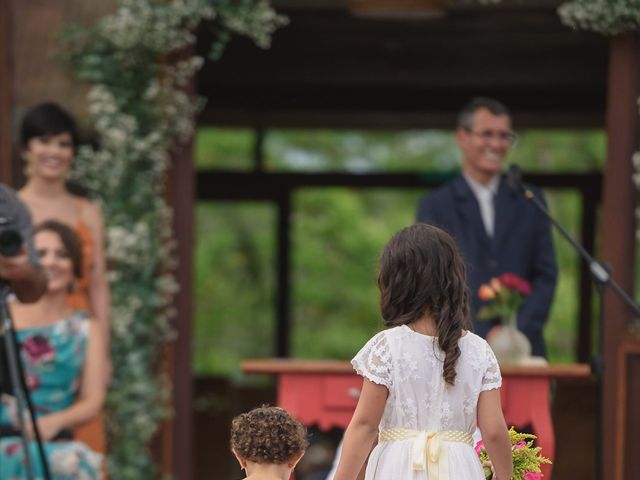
<point>422,271</point>
<point>268,435</point>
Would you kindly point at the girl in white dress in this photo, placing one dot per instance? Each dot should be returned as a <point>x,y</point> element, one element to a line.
<point>428,381</point>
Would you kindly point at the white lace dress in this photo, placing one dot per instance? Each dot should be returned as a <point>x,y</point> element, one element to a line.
<point>409,364</point>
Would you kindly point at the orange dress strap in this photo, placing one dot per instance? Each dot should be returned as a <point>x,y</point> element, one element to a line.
<point>78,299</point>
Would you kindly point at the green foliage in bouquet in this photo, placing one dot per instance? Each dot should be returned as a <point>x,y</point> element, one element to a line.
<point>526,458</point>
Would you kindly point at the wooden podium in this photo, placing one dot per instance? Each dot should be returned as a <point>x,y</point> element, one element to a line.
<point>325,393</point>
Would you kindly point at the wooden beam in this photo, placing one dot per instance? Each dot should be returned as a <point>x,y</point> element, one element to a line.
<point>6,92</point>
<point>618,249</point>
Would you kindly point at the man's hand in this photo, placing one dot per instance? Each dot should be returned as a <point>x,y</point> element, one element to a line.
<point>17,267</point>
<point>27,281</point>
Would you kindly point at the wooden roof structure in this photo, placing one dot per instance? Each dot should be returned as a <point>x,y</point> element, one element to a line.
<point>331,66</point>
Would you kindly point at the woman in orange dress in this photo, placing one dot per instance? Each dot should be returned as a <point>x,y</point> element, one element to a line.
<point>48,139</point>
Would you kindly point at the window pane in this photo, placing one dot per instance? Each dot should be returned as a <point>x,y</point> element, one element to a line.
<point>419,150</point>
<point>337,239</point>
<point>359,151</point>
<point>560,150</point>
<point>234,286</point>
<point>338,234</point>
<point>561,329</point>
<point>224,148</point>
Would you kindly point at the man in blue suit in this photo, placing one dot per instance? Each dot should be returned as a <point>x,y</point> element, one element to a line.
<point>496,228</point>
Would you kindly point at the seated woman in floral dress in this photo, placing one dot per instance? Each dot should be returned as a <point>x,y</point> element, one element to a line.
<point>63,355</point>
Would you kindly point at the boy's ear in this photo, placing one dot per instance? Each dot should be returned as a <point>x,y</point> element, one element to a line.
<point>295,459</point>
<point>241,461</point>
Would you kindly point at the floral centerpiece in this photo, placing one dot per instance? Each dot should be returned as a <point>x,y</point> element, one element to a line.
<point>503,296</point>
<point>526,458</point>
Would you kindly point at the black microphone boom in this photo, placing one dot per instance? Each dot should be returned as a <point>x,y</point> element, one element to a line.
<point>599,271</point>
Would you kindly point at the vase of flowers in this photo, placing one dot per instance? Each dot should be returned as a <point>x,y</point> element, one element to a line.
<point>503,296</point>
<point>525,457</point>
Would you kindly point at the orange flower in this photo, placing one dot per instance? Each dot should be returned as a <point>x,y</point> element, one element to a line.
<point>486,293</point>
<point>496,284</point>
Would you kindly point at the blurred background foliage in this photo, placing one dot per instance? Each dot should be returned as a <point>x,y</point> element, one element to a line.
<point>337,235</point>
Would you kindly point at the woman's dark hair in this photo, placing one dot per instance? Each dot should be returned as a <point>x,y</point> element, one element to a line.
<point>422,271</point>
<point>268,435</point>
<point>47,119</point>
<point>70,241</point>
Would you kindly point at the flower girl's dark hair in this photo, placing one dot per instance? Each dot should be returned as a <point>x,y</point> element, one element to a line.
<point>421,270</point>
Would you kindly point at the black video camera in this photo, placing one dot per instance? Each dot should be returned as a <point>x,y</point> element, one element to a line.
<point>10,238</point>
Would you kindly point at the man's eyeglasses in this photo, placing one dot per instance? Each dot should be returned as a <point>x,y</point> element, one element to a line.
<point>511,137</point>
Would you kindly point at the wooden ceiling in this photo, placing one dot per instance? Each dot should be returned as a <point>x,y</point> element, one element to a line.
<point>332,68</point>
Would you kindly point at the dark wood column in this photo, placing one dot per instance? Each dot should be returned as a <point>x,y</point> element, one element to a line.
<point>177,435</point>
<point>6,91</point>
<point>621,349</point>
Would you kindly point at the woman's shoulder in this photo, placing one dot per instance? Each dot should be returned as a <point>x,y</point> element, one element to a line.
<point>90,214</point>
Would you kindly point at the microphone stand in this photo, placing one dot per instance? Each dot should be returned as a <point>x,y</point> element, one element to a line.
<point>18,385</point>
<point>602,278</point>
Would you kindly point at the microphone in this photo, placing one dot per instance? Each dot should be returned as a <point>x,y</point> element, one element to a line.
<point>514,179</point>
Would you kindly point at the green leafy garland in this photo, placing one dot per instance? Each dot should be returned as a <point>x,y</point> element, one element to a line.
<point>140,111</point>
<point>608,17</point>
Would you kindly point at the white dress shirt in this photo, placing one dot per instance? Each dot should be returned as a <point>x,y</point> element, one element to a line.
<point>485,195</point>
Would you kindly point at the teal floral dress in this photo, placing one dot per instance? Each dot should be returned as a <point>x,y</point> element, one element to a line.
<point>53,357</point>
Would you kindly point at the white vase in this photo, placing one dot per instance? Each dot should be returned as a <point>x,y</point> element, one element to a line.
<point>509,344</point>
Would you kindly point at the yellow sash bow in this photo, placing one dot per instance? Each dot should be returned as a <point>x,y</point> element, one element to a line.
<point>427,450</point>
<point>428,453</point>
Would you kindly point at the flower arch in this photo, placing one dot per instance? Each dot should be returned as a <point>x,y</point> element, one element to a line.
<point>140,109</point>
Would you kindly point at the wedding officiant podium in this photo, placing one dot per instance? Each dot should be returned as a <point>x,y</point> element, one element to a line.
<point>325,393</point>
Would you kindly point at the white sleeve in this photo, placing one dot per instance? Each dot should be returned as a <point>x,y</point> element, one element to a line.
<point>491,378</point>
<point>373,361</point>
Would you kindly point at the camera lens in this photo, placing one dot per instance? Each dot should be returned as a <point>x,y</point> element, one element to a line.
<point>10,243</point>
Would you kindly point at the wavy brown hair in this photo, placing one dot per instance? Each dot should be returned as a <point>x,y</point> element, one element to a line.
<point>422,271</point>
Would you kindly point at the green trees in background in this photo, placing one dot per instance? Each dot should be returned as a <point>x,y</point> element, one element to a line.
<point>337,236</point>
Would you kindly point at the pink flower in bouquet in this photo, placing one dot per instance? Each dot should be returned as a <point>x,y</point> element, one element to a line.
<point>532,476</point>
<point>525,456</point>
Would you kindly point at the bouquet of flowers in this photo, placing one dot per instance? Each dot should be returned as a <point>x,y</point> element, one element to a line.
<point>526,457</point>
<point>504,296</point>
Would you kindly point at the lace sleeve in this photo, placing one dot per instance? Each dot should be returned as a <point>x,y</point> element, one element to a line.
<point>373,361</point>
<point>491,379</point>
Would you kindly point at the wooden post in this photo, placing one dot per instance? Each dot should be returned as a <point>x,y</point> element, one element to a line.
<point>178,452</point>
<point>6,92</point>
<point>620,417</point>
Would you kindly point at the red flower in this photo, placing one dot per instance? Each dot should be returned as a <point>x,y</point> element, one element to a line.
<point>514,282</point>
<point>13,448</point>
<point>38,350</point>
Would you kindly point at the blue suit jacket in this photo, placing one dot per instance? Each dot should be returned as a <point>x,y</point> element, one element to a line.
<point>521,244</point>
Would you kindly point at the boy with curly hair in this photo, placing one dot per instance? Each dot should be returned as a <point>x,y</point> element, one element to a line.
<point>268,443</point>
